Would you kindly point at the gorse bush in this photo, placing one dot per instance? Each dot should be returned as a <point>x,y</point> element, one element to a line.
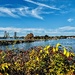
<point>39,60</point>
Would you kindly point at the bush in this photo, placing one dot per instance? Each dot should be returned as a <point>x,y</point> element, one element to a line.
<point>38,61</point>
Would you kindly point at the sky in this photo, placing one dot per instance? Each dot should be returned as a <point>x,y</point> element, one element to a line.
<point>40,17</point>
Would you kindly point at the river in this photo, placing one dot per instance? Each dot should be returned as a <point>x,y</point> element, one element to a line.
<point>26,46</point>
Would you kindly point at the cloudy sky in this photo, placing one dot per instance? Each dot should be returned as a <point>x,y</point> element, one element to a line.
<point>41,17</point>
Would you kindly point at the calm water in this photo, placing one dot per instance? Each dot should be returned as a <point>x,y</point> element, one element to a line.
<point>25,46</point>
<point>11,39</point>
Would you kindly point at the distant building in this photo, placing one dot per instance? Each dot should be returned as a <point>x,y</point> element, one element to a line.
<point>15,35</point>
<point>6,35</point>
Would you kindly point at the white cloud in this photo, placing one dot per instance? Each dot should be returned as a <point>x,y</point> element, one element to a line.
<point>21,11</point>
<point>25,11</point>
<point>41,4</point>
<point>13,29</point>
<point>7,11</point>
<point>35,12</point>
<point>67,30</point>
<point>10,29</point>
<point>70,19</point>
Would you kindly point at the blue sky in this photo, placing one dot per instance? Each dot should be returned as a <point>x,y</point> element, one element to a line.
<point>40,17</point>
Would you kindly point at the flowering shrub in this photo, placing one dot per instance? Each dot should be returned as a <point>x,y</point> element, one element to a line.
<point>39,60</point>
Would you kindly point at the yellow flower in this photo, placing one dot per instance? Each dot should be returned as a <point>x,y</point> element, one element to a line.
<point>5,65</point>
<point>68,54</point>
<point>47,52</point>
<point>53,49</point>
<point>57,45</point>
<point>48,47</point>
<point>6,74</point>
<point>3,56</point>
<point>45,48</point>
<point>44,55</point>
<point>40,51</point>
<point>33,51</point>
<point>65,51</point>
<point>37,58</point>
<point>72,54</point>
<point>15,63</point>
<point>9,64</point>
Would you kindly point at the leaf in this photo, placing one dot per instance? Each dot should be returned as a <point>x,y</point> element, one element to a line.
<point>57,45</point>
<point>68,54</point>
<point>40,51</point>
<point>48,47</point>
<point>65,51</point>
<point>3,68</point>
<point>70,72</point>
<point>37,58</point>
<point>54,49</point>
<point>47,52</point>
<point>72,54</point>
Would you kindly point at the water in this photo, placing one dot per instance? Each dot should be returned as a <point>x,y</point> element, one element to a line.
<point>26,46</point>
<point>11,39</point>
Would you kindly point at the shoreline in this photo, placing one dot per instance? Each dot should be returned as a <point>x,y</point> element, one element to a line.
<point>17,41</point>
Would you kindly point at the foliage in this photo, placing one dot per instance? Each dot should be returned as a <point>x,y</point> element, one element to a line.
<point>39,60</point>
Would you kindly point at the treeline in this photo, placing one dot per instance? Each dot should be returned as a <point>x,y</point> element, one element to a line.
<point>31,36</point>
<point>46,37</point>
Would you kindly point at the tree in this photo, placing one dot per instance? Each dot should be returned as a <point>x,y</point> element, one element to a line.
<point>29,36</point>
<point>46,37</point>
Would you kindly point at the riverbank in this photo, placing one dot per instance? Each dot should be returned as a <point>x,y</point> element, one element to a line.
<point>32,39</point>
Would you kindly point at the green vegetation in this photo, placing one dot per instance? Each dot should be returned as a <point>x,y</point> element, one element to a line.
<point>38,61</point>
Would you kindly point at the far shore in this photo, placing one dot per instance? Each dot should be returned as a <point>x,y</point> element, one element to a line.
<point>17,41</point>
